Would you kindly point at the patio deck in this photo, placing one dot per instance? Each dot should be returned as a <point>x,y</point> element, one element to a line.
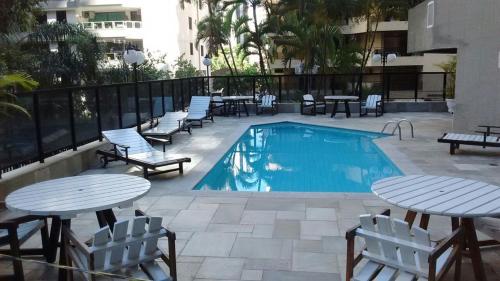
<point>283,236</point>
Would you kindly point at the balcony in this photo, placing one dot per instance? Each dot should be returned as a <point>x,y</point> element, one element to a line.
<point>106,29</point>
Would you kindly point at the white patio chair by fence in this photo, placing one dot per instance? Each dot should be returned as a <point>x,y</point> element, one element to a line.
<point>393,252</point>
<point>125,251</point>
<point>308,102</point>
<point>373,103</point>
<point>267,101</point>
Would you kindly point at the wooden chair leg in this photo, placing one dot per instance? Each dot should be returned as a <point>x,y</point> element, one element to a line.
<point>15,253</point>
<point>424,221</point>
<point>472,244</point>
<point>410,217</point>
<point>349,271</point>
<point>44,233</point>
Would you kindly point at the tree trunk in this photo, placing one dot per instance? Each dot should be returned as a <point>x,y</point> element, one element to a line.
<point>226,59</point>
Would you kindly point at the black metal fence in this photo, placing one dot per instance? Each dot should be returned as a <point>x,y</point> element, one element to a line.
<point>66,118</point>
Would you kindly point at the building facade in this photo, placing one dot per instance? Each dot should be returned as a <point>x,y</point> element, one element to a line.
<point>472,29</point>
<point>160,27</point>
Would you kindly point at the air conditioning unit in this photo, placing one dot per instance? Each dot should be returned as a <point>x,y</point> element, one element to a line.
<point>88,15</point>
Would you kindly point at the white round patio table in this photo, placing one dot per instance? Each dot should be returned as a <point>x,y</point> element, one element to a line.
<point>444,196</point>
<point>65,198</point>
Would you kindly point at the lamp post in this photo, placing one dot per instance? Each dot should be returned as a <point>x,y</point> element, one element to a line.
<point>384,57</point>
<point>133,56</point>
<point>207,61</point>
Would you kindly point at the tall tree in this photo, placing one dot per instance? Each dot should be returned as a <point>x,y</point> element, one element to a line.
<point>17,15</point>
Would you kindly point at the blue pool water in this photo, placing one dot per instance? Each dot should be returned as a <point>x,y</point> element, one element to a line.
<point>300,158</point>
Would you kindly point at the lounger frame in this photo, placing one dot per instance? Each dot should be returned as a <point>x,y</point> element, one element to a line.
<point>455,144</point>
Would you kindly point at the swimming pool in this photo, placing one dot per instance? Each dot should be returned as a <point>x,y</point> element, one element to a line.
<point>296,157</point>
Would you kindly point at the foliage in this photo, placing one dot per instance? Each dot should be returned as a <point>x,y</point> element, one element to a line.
<point>184,68</point>
<point>9,83</point>
<point>451,68</point>
<point>17,15</point>
<point>219,67</point>
<point>74,62</point>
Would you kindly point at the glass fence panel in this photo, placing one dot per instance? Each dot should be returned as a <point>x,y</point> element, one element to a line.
<point>433,87</point>
<point>55,121</point>
<point>18,136</point>
<point>127,97</point>
<point>85,114</point>
<point>108,99</point>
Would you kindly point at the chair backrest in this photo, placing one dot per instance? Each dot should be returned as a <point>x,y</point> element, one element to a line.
<point>128,137</point>
<point>127,247</point>
<point>217,99</point>
<point>171,120</point>
<point>267,100</point>
<point>308,99</point>
<point>371,101</point>
<point>390,242</point>
<point>199,104</point>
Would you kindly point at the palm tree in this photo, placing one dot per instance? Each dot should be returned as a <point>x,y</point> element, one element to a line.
<point>8,83</point>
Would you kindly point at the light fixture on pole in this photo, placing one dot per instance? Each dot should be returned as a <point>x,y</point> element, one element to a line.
<point>384,58</point>
<point>207,61</point>
<point>133,56</point>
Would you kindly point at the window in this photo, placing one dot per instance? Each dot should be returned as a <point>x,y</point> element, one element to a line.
<point>190,21</point>
<point>191,48</point>
<point>202,51</point>
<point>61,16</point>
<point>430,14</point>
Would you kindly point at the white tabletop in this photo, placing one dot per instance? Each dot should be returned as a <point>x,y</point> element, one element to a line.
<point>237,97</point>
<point>68,197</point>
<point>341,97</point>
<point>447,196</point>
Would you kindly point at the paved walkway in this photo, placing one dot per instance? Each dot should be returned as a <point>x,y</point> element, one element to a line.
<point>283,236</point>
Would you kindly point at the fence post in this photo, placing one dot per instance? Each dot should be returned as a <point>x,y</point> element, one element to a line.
<point>360,93</point>
<point>387,85</point>
<point>228,85</point>
<point>203,86</point>
<point>182,94</point>
<point>150,95</point>
<point>444,85</point>
<point>38,130</point>
<point>172,90</point>
<point>162,89</point>
<point>72,119</point>
<point>254,84</point>
<point>416,86</point>
<point>190,94</point>
<point>119,103</point>
<point>98,113</point>
<point>279,88</point>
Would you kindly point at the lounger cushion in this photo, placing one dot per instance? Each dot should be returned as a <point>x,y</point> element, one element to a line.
<point>470,138</point>
<point>199,105</point>
<point>167,125</point>
<point>129,137</point>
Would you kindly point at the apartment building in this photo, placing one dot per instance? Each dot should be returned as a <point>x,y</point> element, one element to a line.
<point>160,27</point>
<point>471,28</point>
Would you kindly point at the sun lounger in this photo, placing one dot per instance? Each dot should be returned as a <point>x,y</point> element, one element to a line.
<point>484,140</point>
<point>199,110</point>
<point>168,125</point>
<point>131,147</point>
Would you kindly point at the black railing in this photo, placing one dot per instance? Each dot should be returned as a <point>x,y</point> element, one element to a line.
<point>66,118</point>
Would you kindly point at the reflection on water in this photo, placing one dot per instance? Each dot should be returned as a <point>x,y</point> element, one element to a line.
<point>300,158</point>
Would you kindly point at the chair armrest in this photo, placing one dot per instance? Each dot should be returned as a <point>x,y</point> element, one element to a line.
<point>488,126</point>
<point>457,235</point>
<point>71,236</point>
<point>157,139</point>
<point>15,220</point>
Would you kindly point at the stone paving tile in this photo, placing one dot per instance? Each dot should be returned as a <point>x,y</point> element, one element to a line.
<point>275,204</point>
<point>191,220</point>
<point>221,268</point>
<point>259,248</point>
<point>269,275</point>
<point>251,275</point>
<point>221,200</point>
<point>172,202</point>
<point>318,228</point>
<point>314,262</point>
<point>258,217</point>
<point>324,214</point>
<point>228,213</point>
<point>263,231</point>
<point>210,244</point>
<point>290,215</point>
<point>286,229</point>
<point>220,227</point>
<point>268,264</point>
<point>311,246</point>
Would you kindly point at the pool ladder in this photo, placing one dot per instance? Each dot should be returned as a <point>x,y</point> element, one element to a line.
<point>398,127</point>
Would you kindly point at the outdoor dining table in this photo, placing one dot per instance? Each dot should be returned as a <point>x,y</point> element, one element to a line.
<point>345,100</point>
<point>64,198</point>
<point>461,199</point>
<point>236,101</point>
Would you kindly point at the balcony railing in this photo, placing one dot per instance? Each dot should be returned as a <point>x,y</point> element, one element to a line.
<point>97,25</point>
<point>66,118</point>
